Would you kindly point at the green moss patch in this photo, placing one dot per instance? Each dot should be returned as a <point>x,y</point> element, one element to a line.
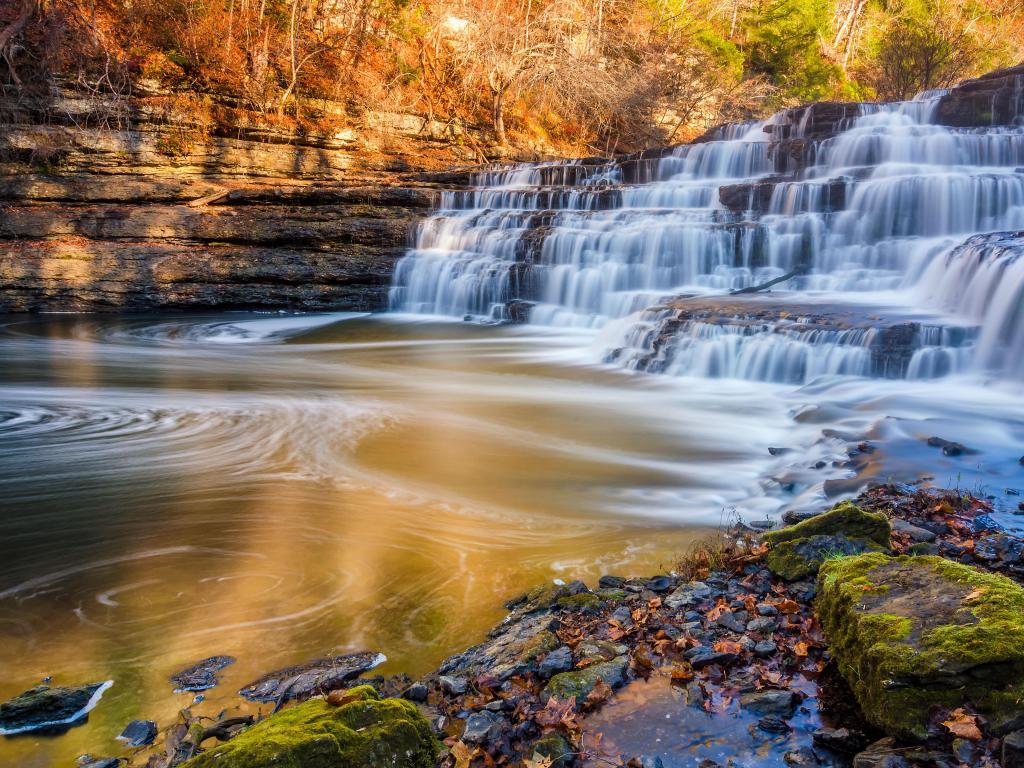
<point>797,551</point>
<point>369,731</point>
<point>910,633</point>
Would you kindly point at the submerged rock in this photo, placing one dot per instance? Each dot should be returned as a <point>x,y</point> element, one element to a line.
<point>138,733</point>
<point>368,732</point>
<point>910,633</point>
<point>798,551</point>
<point>318,676</point>
<point>555,747</point>
<point>202,675</point>
<point>44,707</point>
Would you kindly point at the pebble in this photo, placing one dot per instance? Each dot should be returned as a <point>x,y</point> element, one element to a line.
<point>763,624</point>
<point>417,692</point>
<point>737,622</point>
<point>767,609</point>
<point>770,702</point>
<point>99,762</point>
<point>558,660</point>
<point>481,727</point>
<point>453,686</point>
<point>138,733</point>
<point>839,739</point>
<point>622,615</point>
<point>765,648</point>
<point>915,532</point>
<point>688,595</point>
<point>773,724</point>
<point>660,584</point>
<point>701,656</point>
<point>799,758</point>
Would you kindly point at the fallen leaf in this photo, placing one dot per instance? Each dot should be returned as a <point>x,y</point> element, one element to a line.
<point>728,646</point>
<point>537,761</point>
<point>788,606</point>
<point>463,754</point>
<point>600,694</point>
<point>341,698</point>
<point>681,673</point>
<point>963,725</point>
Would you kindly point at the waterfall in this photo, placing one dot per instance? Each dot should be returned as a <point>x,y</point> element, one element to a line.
<point>872,209</point>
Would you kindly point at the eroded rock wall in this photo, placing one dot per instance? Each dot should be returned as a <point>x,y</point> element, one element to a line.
<point>152,212</point>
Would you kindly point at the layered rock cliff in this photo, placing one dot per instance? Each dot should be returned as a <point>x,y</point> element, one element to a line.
<point>151,210</point>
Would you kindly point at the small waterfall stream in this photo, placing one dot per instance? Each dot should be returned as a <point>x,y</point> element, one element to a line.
<point>882,210</point>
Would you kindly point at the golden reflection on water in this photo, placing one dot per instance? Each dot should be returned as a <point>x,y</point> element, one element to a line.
<point>166,499</point>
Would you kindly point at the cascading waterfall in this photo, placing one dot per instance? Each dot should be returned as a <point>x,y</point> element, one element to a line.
<point>874,205</point>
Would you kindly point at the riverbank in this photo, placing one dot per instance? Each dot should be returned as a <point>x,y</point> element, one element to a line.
<point>721,662</point>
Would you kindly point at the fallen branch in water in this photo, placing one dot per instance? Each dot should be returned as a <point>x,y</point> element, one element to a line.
<point>764,286</point>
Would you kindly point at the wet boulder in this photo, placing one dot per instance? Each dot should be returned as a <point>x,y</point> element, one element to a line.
<point>578,683</point>
<point>46,708</point>
<point>516,649</point>
<point>314,677</point>
<point>364,732</point>
<point>910,633</point>
<point>797,551</point>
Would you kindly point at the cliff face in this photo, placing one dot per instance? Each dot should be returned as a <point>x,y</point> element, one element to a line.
<point>155,213</point>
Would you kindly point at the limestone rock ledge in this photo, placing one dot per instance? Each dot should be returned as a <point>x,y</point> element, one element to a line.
<point>152,212</point>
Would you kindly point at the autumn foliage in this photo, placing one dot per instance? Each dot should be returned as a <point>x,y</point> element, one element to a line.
<point>599,74</point>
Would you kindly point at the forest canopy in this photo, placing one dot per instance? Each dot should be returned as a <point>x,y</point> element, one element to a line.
<point>596,74</point>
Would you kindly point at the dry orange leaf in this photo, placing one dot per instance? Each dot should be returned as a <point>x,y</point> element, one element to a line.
<point>963,725</point>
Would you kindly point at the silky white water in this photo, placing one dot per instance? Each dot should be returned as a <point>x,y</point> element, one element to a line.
<point>881,213</point>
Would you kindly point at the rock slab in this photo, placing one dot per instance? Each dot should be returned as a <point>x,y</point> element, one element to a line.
<point>910,633</point>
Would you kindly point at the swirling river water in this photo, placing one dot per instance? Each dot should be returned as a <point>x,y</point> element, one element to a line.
<point>280,487</point>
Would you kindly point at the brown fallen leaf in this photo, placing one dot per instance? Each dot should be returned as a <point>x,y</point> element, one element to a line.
<point>788,606</point>
<point>341,698</point>
<point>963,725</point>
<point>681,673</point>
<point>728,646</point>
<point>463,754</point>
<point>600,694</point>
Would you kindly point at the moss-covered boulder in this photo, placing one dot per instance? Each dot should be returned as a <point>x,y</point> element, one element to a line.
<point>797,551</point>
<point>578,683</point>
<point>910,633</point>
<point>365,732</point>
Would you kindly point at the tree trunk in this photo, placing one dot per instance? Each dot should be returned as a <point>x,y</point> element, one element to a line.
<point>498,115</point>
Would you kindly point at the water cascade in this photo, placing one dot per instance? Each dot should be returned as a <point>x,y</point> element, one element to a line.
<point>866,210</point>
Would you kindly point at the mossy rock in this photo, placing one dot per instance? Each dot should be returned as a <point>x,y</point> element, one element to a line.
<point>585,602</point>
<point>910,633</point>
<point>578,683</point>
<point>797,551</point>
<point>368,731</point>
